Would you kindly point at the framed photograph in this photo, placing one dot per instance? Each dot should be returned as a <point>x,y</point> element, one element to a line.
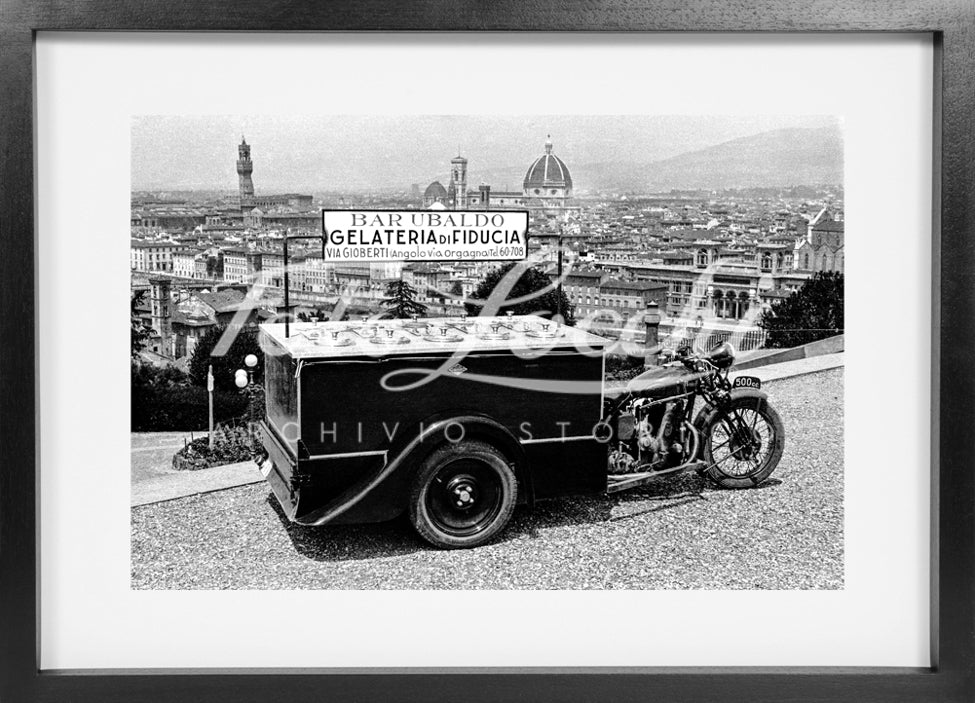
<point>505,353</point>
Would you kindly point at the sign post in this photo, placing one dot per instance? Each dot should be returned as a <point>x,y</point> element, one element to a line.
<point>210,398</point>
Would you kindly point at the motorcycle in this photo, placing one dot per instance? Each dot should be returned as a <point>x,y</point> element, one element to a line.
<point>687,415</point>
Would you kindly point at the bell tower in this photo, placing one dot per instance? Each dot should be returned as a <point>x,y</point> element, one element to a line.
<point>162,319</point>
<point>244,169</point>
<point>458,181</point>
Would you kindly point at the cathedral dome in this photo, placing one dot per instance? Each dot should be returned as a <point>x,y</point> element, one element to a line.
<point>434,191</point>
<point>548,171</point>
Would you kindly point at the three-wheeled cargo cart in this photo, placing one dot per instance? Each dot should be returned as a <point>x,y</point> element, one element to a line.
<point>454,421</point>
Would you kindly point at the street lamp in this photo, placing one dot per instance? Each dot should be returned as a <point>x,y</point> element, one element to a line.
<point>244,378</point>
<point>240,378</point>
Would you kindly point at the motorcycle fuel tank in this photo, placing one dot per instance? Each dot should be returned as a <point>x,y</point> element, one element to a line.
<point>671,379</point>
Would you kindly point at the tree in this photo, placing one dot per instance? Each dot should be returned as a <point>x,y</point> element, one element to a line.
<point>163,400</point>
<point>457,290</point>
<point>400,300</point>
<point>528,286</point>
<point>813,312</point>
<point>215,266</point>
<point>244,343</point>
<point>140,332</point>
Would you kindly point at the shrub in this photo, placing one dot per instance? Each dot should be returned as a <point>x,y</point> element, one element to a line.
<point>232,444</point>
<point>622,367</point>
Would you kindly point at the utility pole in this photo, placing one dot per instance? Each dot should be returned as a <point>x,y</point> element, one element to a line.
<point>558,294</point>
<point>651,321</point>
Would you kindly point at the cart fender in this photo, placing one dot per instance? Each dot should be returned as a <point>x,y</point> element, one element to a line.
<point>436,431</point>
<point>706,414</point>
<point>446,426</point>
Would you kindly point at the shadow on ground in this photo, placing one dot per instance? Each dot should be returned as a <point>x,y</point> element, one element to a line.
<point>397,537</point>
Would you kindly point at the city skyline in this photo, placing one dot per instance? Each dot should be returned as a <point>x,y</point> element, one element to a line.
<point>383,152</point>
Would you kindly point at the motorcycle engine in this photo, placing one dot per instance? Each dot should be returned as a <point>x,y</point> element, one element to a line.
<point>650,437</point>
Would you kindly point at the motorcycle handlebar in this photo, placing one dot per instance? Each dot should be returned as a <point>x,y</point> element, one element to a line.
<point>690,359</point>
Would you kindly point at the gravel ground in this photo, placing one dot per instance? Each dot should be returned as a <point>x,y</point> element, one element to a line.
<point>678,534</point>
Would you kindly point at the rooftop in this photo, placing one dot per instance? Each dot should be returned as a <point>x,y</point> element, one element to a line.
<point>635,286</point>
<point>586,274</point>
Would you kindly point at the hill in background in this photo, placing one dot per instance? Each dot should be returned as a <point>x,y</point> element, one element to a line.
<point>779,158</point>
<point>782,157</point>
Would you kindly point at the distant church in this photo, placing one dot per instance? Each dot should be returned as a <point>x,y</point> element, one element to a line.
<point>823,247</point>
<point>546,190</point>
<point>249,201</point>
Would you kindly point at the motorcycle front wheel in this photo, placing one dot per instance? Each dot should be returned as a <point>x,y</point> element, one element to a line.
<point>743,443</point>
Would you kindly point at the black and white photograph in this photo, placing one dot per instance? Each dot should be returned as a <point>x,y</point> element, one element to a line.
<point>532,352</point>
<point>507,351</point>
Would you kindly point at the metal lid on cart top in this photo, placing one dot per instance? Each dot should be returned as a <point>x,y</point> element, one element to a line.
<point>443,335</point>
<point>345,339</point>
<point>493,331</point>
<point>547,330</point>
<point>388,335</point>
<point>334,342</point>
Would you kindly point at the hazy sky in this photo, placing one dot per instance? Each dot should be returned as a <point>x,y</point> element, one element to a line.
<point>314,153</point>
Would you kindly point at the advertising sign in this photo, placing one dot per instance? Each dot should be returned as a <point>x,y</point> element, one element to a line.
<point>424,235</point>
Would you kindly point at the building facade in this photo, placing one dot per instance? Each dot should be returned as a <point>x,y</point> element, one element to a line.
<point>184,263</point>
<point>618,300</point>
<point>729,289</point>
<point>235,265</point>
<point>153,255</point>
<point>822,249</point>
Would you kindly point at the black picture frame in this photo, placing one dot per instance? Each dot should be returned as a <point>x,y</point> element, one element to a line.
<point>951,23</point>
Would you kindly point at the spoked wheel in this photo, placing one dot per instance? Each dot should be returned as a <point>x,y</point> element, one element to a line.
<point>463,495</point>
<point>743,445</point>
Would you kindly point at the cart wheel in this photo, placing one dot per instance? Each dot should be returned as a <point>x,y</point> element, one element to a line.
<point>463,495</point>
